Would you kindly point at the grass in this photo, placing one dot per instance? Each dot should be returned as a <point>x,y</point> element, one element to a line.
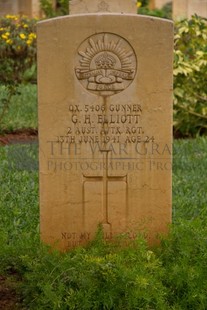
<point>104,276</point>
<point>22,111</point>
<point>190,179</point>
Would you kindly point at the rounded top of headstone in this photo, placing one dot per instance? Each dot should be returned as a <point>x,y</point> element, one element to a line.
<point>106,6</point>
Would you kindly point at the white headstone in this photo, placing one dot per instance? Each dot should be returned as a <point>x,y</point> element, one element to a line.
<point>105,125</point>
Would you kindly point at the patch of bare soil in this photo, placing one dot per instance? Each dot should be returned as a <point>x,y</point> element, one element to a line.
<point>19,136</point>
<point>9,300</point>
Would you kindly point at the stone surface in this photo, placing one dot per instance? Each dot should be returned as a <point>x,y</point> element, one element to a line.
<point>157,3</point>
<point>8,7</point>
<point>187,8</point>
<point>97,6</point>
<point>180,9</point>
<point>105,126</point>
<point>29,8</point>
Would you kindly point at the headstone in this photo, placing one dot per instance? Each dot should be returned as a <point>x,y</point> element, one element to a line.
<point>8,7</point>
<point>30,8</point>
<point>158,4</point>
<point>105,126</point>
<point>108,6</point>
<point>197,6</point>
<point>180,9</point>
<point>187,8</point>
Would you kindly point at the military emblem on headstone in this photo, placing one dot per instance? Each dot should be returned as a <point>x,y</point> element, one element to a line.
<point>106,64</point>
<point>105,123</point>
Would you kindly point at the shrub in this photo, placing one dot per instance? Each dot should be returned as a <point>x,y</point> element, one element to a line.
<point>17,49</point>
<point>17,56</point>
<point>184,260</point>
<point>165,12</point>
<point>190,76</point>
<point>49,10</point>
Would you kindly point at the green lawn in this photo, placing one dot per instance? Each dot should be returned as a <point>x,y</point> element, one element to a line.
<point>104,276</point>
<point>190,179</point>
<point>22,111</point>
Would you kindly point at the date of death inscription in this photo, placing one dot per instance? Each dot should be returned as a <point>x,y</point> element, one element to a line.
<point>102,123</point>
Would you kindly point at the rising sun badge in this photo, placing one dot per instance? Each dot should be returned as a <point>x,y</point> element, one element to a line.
<point>106,64</point>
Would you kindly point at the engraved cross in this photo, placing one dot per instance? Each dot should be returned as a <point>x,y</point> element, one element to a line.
<point>106,178</point>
